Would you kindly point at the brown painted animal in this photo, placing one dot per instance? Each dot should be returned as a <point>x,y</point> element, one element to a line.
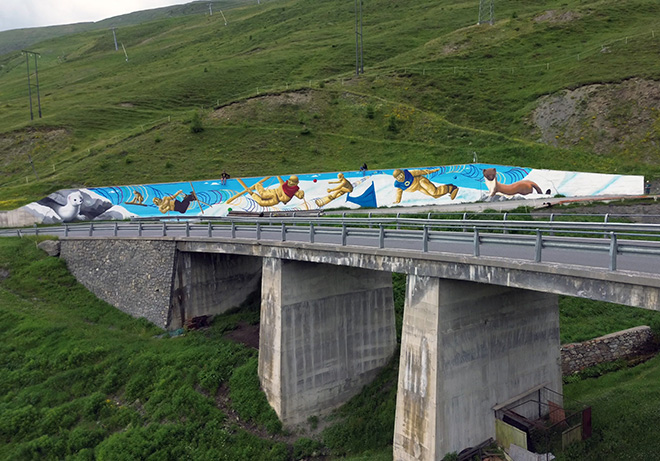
<point>523,187</point>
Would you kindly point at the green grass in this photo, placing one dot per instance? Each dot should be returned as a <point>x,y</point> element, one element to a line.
<point>276,92</point>
<point>451,87</point>
<point>624,413</point>
<point>583,319</point>
<point>82,380</point>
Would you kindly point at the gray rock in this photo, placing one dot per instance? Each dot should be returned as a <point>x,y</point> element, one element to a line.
<point>52,247</point>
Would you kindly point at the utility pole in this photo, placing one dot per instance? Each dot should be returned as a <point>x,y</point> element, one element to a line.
<point>486,8</point>
<point>359,63</point>
<point>36,74</point>
<point>114,36</point>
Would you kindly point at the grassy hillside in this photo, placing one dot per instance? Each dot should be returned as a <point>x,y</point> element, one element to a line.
<point>81,380</point>
<point>21,39</point>
<point>276,91</point>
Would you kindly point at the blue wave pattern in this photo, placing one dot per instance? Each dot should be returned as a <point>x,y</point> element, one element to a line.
<point>211,192</point>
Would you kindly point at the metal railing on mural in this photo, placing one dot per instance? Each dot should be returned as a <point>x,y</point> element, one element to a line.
<point>615,239</point>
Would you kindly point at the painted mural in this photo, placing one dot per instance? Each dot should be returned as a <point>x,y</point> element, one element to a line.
<point>321,191</point>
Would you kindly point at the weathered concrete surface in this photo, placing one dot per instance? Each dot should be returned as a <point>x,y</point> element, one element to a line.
<point>211,283</point>
<point>19,217</point>
<point>134,275</point>
<point>629,288</point>
<point>325,332</point>
<point>465,347</point>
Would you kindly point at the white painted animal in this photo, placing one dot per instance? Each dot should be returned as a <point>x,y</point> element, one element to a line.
<point>71,210</point>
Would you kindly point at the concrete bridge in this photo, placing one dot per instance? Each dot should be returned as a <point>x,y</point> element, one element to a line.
<point>477,331</point>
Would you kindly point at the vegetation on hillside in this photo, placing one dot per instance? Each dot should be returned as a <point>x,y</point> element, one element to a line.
<point>81,380</point>
<point>276,92</point>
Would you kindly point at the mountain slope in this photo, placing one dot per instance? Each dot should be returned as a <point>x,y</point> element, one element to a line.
<point>436,89</point>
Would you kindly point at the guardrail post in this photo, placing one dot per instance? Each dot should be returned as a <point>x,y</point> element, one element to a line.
<point>140,229</point>
<point>538,247</point>
<point>425,240</point>
<point>210,229</point>
<point>164,229</point>
<point>258,230</point>
<point>607,218</point>
<point>18,231</point>
<point>504,229</point>
<point>476,241</point>
<point>66,230</point>
<point>613,251</point>
<point>187,229</point>
<point>283,232</point>
<point>115,231</point>
<point>369,216</point>
<point>464,219</point>
<point>233,230</point>
<point>343,234</point>
<point>311,232</point>
<point>91,229</point>
<point>36,230</point>
<point>381,236</point>
<point>552,218</point>
<point>428,217</point>
<point>397,220</point>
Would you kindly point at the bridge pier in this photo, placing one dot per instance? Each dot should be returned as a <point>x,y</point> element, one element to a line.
<point>325,332</point>
<point>465,347</point>
<point>211,284</point>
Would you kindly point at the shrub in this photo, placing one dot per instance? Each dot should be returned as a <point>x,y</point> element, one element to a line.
<point>393,126</point>
<point>196,123</point>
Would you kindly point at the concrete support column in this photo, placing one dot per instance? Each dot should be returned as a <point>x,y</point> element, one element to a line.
<point>325,332</point>
<point>211,284</point>
<point>466,347</point>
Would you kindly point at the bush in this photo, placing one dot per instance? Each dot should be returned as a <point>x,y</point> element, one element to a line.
<point>196,123</point>
<point>393,126</point>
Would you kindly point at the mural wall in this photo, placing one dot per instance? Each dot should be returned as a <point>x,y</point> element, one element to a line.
<point>349,189</point>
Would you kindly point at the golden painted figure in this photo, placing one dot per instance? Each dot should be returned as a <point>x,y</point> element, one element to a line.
<point>137,199</point>
<point>415,180</point>
<point>344,186</point>
<point>170,203</point>
<point>284,193</point>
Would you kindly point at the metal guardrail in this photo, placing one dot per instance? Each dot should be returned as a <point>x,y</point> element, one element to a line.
<point>615,239</point>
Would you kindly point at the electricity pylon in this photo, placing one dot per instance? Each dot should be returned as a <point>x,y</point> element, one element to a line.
<point>486,12</point>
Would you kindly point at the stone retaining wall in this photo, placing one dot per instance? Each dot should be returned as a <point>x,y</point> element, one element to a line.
<point>134,275</point>
<point>624,344</point>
